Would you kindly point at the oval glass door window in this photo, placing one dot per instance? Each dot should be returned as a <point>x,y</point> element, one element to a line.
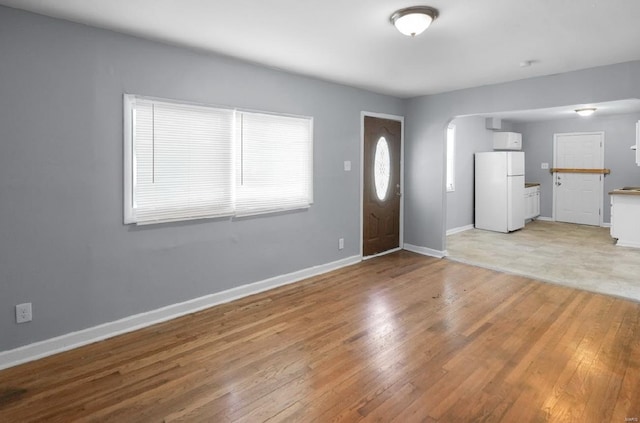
<point>382,168</point>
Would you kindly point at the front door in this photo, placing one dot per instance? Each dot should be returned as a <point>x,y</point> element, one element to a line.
<point>381,196</point>
<point>578,196</point>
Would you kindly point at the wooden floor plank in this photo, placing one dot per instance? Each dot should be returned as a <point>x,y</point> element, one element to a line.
<point>402,338</point>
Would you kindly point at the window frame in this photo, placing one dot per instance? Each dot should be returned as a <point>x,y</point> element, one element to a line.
<point>130,167</point>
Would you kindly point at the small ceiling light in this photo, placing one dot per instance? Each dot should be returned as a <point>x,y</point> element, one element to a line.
<point>587,111</point>
<point>413,21</point>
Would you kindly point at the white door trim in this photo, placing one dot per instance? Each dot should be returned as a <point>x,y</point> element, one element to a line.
<point>601,186</point>
<point>400,119</point>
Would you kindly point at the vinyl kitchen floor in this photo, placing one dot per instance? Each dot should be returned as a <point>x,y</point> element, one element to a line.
<point>579,256</point>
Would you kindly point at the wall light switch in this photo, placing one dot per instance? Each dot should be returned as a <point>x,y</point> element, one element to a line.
<point>544,166</point>
<point>347,165</point>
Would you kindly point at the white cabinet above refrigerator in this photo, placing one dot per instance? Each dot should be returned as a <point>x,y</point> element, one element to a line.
<point>507,141</point>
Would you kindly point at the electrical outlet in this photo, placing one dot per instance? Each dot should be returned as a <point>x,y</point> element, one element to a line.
<point>544,166</point>
<point>347,165</point>
<point>23,313</point>
<point>340,243</point>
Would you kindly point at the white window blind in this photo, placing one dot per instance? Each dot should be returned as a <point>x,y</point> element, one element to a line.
<point>183,159</point>
<point>274,163</point>
<point>451,158</point>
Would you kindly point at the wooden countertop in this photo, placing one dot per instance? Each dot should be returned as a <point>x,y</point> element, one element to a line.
<point>531,184</point>
<point>626,191</point>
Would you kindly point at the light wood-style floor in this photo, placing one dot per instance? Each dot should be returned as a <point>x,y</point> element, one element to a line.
<point>579,256</point>
<point>401,338</point>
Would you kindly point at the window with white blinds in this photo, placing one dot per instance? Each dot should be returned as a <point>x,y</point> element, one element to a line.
<point>451,158</point>
<point>186,162</point>
<point>274,163</point>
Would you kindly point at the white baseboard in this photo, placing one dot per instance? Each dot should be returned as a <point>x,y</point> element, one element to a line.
<point>82,337</point>
<point>550,219</point>
<point>424,251</point>
<point>459,229</point>
<point>622,243</point>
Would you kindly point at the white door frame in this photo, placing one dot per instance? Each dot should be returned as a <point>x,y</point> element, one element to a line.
<point>601,186</point>
<point>401,120</point>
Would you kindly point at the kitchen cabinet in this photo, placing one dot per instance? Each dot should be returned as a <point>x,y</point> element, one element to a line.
<point>531,201</point>
<point>625,210</point>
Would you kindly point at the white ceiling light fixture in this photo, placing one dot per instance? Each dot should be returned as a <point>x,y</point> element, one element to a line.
<point>415,20</point>
<point>587,111</point>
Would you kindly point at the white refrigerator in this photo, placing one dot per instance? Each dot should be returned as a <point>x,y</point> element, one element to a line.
<point>499,194</point>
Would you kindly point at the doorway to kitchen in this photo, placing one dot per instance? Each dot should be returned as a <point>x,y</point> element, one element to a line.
<point>578,161</point>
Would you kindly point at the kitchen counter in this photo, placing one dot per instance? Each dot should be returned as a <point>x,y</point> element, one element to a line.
<point>531,200</point>
<point>625,211</point>
<point>626,191</point>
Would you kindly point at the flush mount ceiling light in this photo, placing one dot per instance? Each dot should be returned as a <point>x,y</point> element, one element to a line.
<point>413,21</point>
<point>587,111</point>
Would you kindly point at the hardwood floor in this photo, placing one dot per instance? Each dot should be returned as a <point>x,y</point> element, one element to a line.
<point>399,338</point>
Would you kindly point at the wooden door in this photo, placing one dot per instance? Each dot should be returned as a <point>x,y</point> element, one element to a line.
<point>578,196</point>
<point>382,190</point>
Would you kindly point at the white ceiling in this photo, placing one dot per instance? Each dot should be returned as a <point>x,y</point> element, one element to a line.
<point>607,108</point>
<point>472,43</point>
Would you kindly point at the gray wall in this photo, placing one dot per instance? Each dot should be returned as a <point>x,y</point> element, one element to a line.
<point>471,137</point>
<point>63,245</point>
<point>427,118</point>
<point>620,133</point>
